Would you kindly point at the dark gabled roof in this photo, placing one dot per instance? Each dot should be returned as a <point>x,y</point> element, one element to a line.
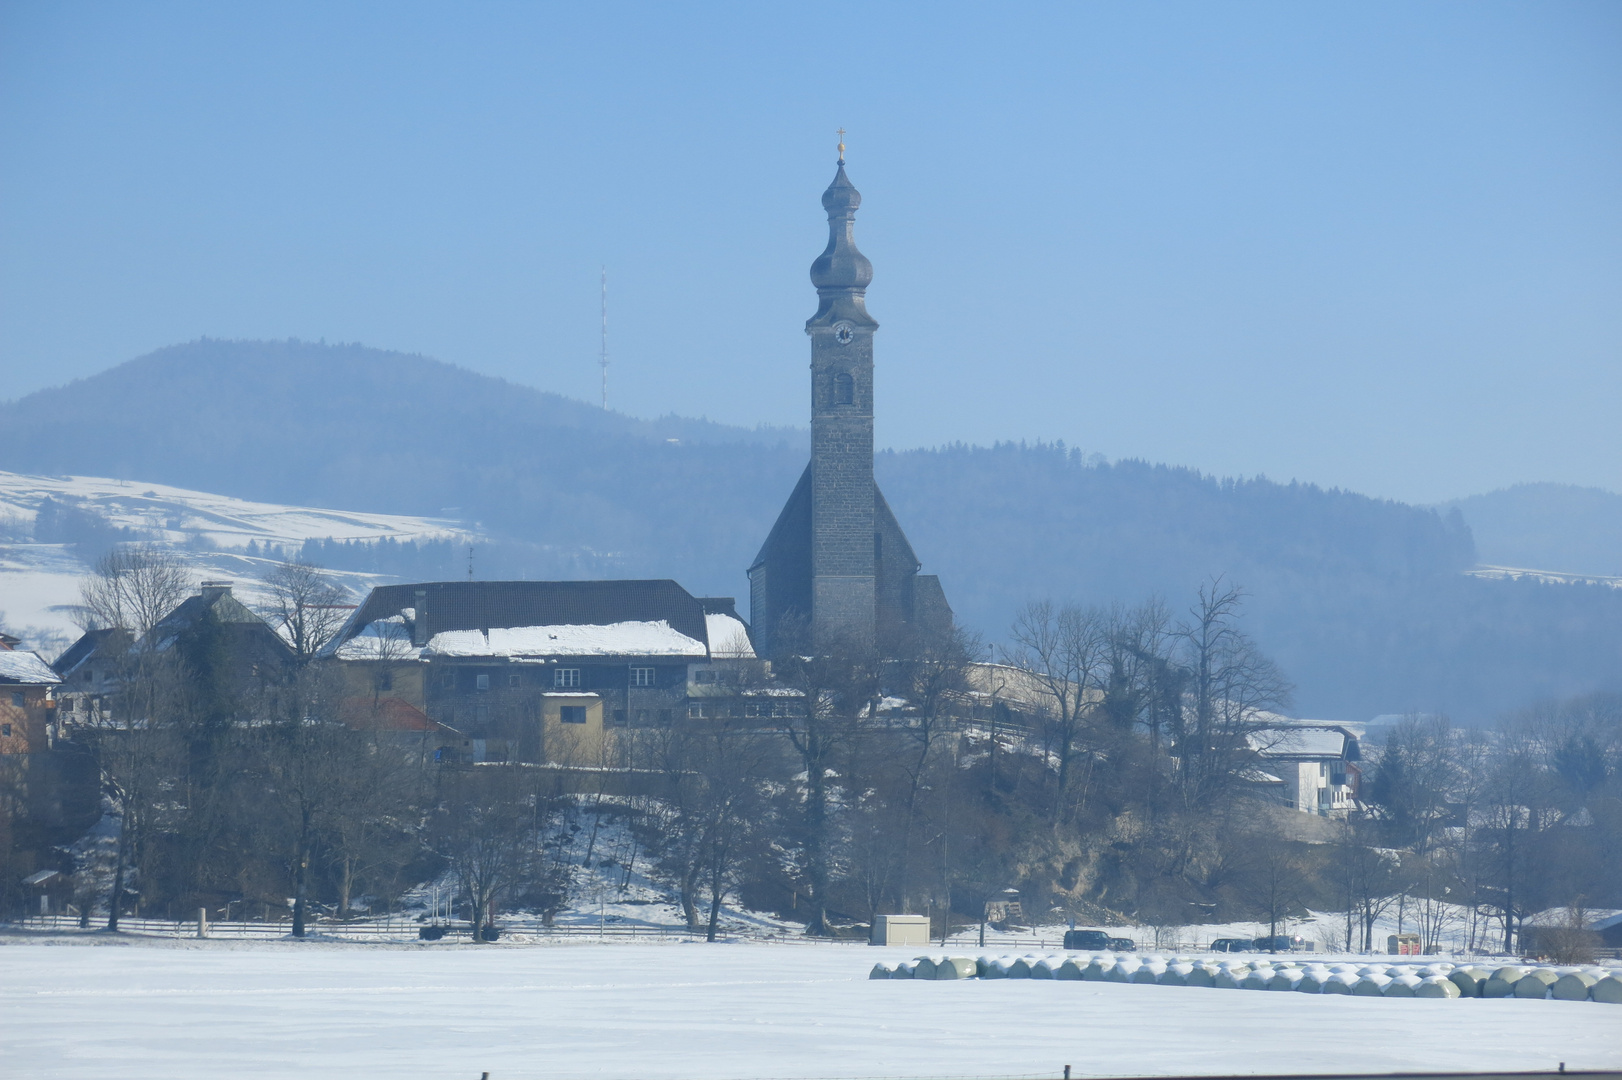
<point>225,609</point>
<point>91,644</point>
<point>486,605</point>
<point>789,542</point>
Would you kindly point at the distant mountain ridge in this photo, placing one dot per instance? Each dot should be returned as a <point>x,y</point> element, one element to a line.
<point>1363,601</point>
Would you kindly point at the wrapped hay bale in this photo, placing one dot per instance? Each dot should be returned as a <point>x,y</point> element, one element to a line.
<point>1342,982</point>
<point>1258,979</point>
<point>1469,980</point>
<point>923,967</point>
<point>1436,986</point>
<point>1176,974</point>
<point>1502,982</point>
<point>1229,978</point>
<point>1021,967</point>
<point>1402,986</point>
<point>1202,975</point>
<point>991,967</point>
<point>1312,981</point>
<point>1097,969</point>
<point>1285,978</point>
<point>1149,973</point>
<point>1070,970</point>
<point>881,971</point>
<point>1122,970</point>
<point>1607,990</point>
<point>955,967</point>
<point>1536,983</point>
<point>1371,985</point>
<point>1573,986</point>
<point>1047,967</point>
<point>903,970</point>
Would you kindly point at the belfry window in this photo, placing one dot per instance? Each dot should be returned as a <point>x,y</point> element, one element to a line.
<point>844,389</point>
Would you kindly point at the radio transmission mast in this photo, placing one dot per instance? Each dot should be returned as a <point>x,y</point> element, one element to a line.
<point>602,360</point>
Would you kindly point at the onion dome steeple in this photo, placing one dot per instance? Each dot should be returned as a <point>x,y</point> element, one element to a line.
<point>841,273</point>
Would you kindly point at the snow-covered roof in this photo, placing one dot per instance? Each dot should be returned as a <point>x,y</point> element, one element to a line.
<point>728,637</point>
<point>25,668</point>
<point>1300,741</point>
<point>612,639</point>
<point>384,639</point>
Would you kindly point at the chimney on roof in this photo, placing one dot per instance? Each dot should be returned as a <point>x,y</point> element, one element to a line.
<point>213,590</point>
<point>419,624</point>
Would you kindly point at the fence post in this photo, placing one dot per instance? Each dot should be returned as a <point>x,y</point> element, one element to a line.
<point>202,922</point>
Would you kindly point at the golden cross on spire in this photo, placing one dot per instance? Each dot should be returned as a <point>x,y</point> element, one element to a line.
<point>841,146</point>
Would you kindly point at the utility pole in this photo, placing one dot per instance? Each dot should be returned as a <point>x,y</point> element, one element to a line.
<point>602,359</point>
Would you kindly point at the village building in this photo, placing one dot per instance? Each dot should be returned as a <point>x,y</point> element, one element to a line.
<point>1307,766</point>
<point>26,699</point>
<point>837,563</point>
<point>541,671</point>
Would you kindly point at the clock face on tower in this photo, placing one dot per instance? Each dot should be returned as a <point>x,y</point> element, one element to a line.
<point>843,333</point>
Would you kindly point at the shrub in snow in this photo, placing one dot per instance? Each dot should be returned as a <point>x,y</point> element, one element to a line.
<point>1372,985</point>
<point>1536,983</point>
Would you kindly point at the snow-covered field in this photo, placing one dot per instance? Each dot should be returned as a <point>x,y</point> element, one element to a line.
<point>140,1010</point>
<point>39,582</point>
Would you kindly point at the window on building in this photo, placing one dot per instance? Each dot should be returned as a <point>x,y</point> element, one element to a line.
<point>573,714</point>
<point>695,712</point>
<point>5,729</point>
<point>642,718</point>
<point>17,698</point>
<point>619,717</point>
<point>385,680</point>
<point>481,682</point>
<point>704,675</point>
<point>515,681</point>
<point>667,717</point>
<point>641,676</point>
<point>844,389</point>
<point>566,676</point>
<point>481,714</point>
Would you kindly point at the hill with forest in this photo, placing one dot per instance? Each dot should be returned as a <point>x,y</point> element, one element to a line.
<point>1364,602</point>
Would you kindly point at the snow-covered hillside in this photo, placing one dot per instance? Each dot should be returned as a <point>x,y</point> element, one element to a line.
<point>218,536</point>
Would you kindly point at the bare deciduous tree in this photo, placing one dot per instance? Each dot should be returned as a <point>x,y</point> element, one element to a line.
<point>305,605</point>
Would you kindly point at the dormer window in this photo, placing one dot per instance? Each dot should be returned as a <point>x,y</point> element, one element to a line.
<point>844,389</point>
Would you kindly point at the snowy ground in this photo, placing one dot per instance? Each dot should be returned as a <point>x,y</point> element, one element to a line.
<point>39,583</point>
<point>213,1009</point>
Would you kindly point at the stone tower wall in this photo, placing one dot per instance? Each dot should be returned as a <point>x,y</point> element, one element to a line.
<point>842,559</point>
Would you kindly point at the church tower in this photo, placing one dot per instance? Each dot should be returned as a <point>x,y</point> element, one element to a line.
<point>837,562</point>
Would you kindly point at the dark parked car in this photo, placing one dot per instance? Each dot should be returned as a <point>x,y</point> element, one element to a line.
<point>1087,939</point>
<point>1123,944</point>
<point>1280,943</point>
<point>1231,944</point>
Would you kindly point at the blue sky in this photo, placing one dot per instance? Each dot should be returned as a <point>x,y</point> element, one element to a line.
<point>1369,245</point>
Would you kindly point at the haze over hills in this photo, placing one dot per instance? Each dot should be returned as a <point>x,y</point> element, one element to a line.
<point>1363,601</point>
<point>1557,527</point>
